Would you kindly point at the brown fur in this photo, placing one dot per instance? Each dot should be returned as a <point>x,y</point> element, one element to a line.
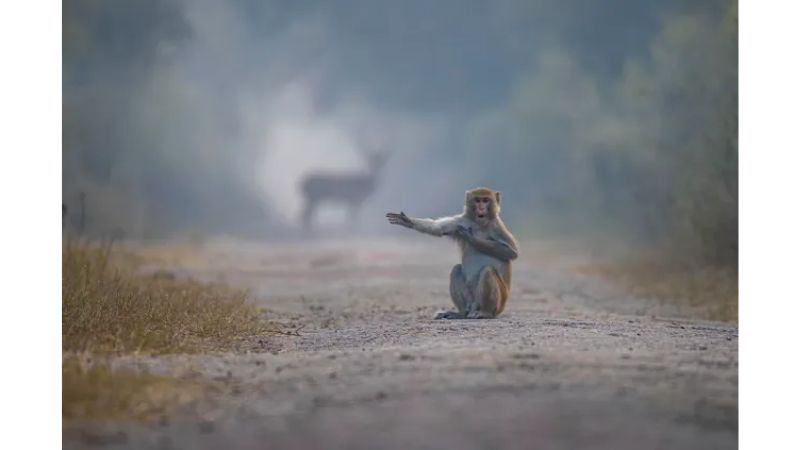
<point>494,205</point>
<point>492,291</point>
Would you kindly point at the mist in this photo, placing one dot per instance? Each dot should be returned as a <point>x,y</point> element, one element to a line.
<point>203,117</point>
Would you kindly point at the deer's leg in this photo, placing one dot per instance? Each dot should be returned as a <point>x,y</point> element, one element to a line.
<point>353,213</point>
<point>308,212</point>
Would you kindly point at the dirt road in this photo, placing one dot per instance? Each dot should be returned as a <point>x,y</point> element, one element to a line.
<point>572,363</point>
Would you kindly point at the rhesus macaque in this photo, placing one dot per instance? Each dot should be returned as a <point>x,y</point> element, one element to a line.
<point>479,286</point>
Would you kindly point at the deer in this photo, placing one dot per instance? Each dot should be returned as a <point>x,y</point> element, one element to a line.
<point>349,188</point>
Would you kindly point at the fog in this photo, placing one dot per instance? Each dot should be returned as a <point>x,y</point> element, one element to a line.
<point>202,116</point>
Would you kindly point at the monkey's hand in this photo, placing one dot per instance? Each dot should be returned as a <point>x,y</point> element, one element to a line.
<point>400,219</point>
<point>463,232</point>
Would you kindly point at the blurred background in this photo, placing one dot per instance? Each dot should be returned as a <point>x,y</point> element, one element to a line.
<point>601,120</point>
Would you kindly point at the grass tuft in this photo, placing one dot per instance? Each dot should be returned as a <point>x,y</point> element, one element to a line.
<point>710,291</point>
<point>98,392</point>
<point>109,310</point>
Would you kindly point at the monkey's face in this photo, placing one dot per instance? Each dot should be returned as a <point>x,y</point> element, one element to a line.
<point>481,205</point>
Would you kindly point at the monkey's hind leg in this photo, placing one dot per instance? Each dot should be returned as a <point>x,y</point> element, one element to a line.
<point>459,293</point>
<point>492,294</point>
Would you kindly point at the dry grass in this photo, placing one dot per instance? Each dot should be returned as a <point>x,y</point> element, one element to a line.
<point>98,392</point>
<point>173,254</point>
<point>105,309</point>
<point>709,291</point>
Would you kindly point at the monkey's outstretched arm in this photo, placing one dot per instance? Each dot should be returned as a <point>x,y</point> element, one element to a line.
<point>443,226</point>
<point>435,227</point>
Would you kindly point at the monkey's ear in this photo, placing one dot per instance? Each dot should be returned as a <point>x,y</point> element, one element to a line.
<point>497,196</point>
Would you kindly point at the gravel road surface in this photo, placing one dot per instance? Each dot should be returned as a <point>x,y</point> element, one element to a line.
<point>573,362</point>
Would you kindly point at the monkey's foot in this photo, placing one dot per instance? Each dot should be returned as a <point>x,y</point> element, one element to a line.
<point>449,315</point>
<point>480,315</point>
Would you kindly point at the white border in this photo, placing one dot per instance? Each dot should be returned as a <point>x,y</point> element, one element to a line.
<point>769,223</point>
<point>30,173</point>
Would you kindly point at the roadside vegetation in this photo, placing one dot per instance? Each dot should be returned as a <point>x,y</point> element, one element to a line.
<point>108,310</point>
<point>671,186</point>
<point>99,392</point>
<point>708,292</point>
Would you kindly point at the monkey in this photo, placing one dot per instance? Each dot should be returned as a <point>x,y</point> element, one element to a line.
<point>479,286</point>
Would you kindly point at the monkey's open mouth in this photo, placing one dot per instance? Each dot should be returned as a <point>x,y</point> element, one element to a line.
<point>482,215</point>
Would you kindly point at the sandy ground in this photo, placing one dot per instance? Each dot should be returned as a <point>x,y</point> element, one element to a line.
<point>573,362</point>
